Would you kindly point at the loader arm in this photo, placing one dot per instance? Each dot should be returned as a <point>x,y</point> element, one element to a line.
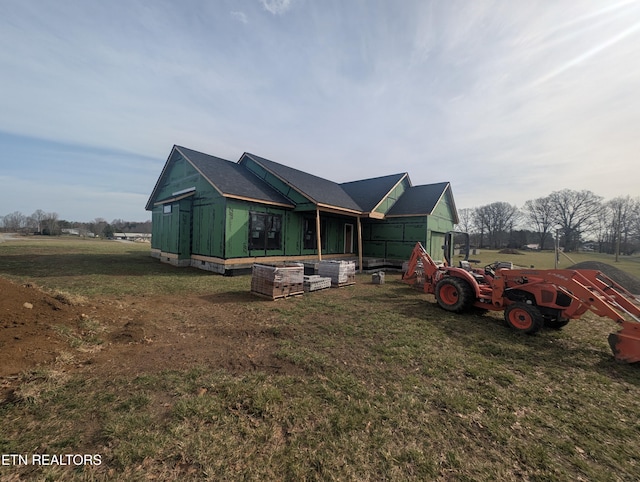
<point>588,290</point>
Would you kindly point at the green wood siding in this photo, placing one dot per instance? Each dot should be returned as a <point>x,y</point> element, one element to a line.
<point>393,196</point>
<point>165,229</point>
<point>436,242</point>
<point>194,224</point>
<point>237,231</point>
<point>184,228</point>
<point>208,225</point>
<point>442,217</point>
<point>294,224</point>
<point>393,238</point>
<point>181,175</point>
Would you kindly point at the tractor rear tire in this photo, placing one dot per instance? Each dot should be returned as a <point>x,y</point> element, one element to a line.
<point>454,294</point>
<point>524,318</point>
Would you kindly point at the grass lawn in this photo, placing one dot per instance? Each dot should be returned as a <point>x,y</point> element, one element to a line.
<point>366,382</point>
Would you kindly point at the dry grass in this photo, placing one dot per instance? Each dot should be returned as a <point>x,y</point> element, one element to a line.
<point>388,387</point>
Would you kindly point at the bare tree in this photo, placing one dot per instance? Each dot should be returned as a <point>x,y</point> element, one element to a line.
<point>602,229</point>
<point>50,223</point>
<point>98,226</point>
<point>575,212</point>
<point>480,218</point>
<point>465,215</point>
<point>15,221</point>
<point>36,220</point>
<point>538,213</point>
<point>119,225</point>
<point>621,209</point>
<point>634,224</point>
<point>498,220</point>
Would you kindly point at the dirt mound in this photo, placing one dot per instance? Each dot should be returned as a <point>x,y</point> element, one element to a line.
<point>628,281</point>
<point>31,323</point>
<point>509,251</point>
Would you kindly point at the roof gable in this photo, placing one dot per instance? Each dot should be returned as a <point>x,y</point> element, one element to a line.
<point>368,193</point>
<point>423,200</point>
<point>227,177</point>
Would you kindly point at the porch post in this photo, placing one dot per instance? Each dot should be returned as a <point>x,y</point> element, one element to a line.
<point>318,237</point>
<point>359,245</point>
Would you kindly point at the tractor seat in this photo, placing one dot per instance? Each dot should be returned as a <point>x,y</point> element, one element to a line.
<point>465,265</point>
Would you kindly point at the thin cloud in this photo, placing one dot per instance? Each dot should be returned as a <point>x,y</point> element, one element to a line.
<point>240,16</point>
<point>276,7</point>
<point>588,54</point>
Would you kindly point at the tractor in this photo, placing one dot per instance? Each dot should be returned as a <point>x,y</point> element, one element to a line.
<point>530,298</point>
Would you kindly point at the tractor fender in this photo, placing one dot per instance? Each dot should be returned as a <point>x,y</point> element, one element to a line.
<point>465,275</point>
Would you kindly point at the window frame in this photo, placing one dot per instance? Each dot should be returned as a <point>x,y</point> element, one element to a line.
<point>265,231</point>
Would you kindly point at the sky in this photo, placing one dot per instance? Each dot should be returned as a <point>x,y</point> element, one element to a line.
<point>507,100</point>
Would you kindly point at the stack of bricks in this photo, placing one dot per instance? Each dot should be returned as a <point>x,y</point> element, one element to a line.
<point>342,273</point>
<point>277,281</point>
<point>315,282</point>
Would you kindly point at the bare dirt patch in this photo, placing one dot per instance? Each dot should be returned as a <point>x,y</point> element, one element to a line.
<point>28,321</point>
<point>132,335</point>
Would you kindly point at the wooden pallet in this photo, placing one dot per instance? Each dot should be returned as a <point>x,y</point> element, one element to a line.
<point>277,281</point>
<point>342,285</point>
<point>274,296</point>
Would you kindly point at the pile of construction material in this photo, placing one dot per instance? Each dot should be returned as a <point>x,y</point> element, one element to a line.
<point>277,280</point>
<point>316,282</point>
<point>342,273</point>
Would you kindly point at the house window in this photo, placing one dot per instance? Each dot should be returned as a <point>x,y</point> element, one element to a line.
<point>310,240</point>
<point>265,231</point>
<point>166,208</point>
<point>310,236</point>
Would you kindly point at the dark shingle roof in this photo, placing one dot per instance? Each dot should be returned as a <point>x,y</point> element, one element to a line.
<point>235,180</point>
<point>419,200</point>
<point>369,192</point>
<point>313,187</point>
<point>232,179</point>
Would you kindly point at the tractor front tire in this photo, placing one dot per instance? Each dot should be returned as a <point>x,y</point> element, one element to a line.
<point>524,318</point>
<point>454,294</point>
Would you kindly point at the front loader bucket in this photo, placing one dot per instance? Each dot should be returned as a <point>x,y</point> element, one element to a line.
<point>626,342</point>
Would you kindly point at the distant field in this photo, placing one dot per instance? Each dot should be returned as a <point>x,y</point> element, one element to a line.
<point>546,259</point>
<point>178,374</point>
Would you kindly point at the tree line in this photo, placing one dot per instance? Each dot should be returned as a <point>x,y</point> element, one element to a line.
<point>577,219</point>
<point>47,223</point>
